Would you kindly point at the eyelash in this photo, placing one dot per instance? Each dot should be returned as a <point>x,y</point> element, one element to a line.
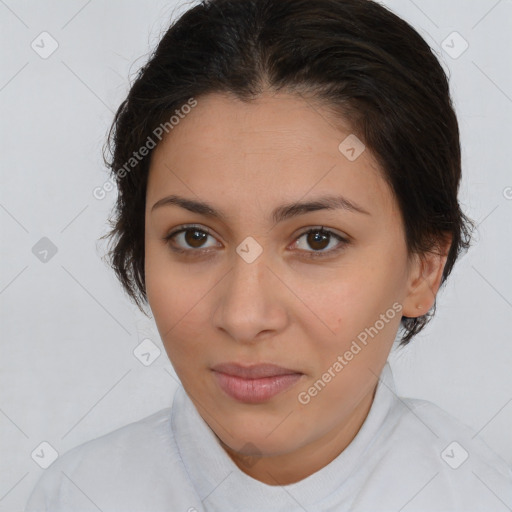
<point>310,254</point>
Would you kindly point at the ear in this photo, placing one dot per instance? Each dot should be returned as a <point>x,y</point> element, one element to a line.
<point>425,274</point>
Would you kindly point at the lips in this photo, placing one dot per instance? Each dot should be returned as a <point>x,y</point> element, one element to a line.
<point>257,371</point>
<point>256,383</point>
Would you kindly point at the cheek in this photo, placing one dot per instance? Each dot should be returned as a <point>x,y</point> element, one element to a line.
<point>175,305</point>
<point>178,301</point>
<point>178,317</point>
<point>348,307</point>
<point>169,288</point>
<point>350,298</point>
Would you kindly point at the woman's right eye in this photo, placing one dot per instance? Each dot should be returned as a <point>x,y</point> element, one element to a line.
<point>190,239</point>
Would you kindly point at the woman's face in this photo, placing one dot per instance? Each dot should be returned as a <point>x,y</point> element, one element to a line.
<point>248,286</point>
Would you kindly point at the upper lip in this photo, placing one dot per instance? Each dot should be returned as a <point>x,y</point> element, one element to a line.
<point>256,371</point>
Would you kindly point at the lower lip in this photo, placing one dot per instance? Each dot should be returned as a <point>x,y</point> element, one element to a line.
<point>255,390</point>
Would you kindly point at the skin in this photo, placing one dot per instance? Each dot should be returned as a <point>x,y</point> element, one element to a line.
<point>245,159</point>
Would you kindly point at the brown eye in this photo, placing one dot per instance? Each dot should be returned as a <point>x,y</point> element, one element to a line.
<point>195,237</point>
<point>188,239</point>
<point>319,239</point>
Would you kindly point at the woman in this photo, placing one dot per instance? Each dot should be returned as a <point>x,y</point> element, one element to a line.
<point>288,174</point>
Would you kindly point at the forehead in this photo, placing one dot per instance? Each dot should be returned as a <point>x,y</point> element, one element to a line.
<point>278,145</point>
<point>221,120</point>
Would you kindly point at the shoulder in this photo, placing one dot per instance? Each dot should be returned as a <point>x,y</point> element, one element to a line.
<point>115,468</point>
<point>451,440</point>
<point>429,421</point>
<point>124,445</point>
<point>428,449</point>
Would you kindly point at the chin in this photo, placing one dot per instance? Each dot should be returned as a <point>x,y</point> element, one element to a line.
<point>259,443</point>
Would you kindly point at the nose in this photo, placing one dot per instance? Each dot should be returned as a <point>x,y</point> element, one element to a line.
<point>251,302</point>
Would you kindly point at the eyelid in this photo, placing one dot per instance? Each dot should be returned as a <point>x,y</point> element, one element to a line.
<point>186,227</point>
<point>325,229</point>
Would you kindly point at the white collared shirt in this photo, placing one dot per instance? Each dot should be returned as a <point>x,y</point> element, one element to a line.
<point>409,455</point>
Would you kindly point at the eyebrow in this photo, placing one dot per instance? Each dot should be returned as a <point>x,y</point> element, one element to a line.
<point>279,214</point>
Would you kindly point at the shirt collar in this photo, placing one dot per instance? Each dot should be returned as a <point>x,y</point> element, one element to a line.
<point>222,485</point>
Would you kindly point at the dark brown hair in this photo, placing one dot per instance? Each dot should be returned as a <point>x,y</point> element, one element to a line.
<point>370,66</point>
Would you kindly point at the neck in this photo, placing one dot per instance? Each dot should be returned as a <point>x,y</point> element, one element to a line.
<point>294,466</point>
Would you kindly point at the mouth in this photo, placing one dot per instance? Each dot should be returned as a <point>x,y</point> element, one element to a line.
<point>256,383</point>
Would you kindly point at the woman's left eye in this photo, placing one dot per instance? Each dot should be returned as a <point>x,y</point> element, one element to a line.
<point>317,238</point>
<point>194,237</point>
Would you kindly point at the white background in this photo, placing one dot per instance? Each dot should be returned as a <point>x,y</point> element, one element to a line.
<point>68,373</point>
